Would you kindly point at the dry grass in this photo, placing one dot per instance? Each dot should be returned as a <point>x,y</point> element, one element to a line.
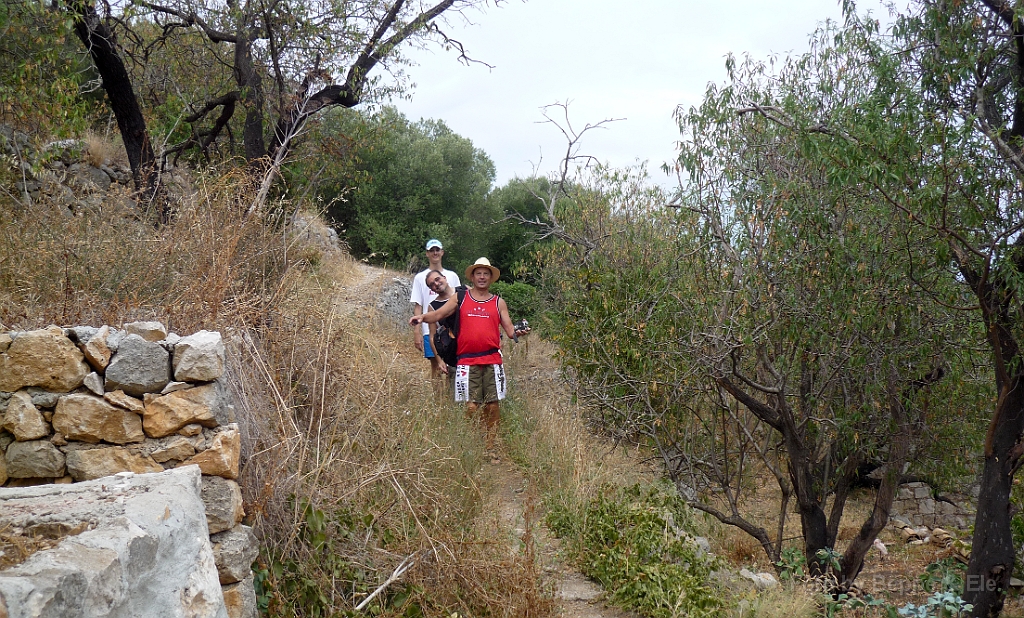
<point>101,150</point>
<point>341,413</point>
<point>787,601</point>
<point>548,436</point>
<point>335,414</point>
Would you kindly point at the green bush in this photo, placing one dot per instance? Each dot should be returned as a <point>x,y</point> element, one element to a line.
<point>521,299</point>
<point>634,541</point>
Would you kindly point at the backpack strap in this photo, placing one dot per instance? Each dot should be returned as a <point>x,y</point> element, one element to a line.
<point>460,295</point>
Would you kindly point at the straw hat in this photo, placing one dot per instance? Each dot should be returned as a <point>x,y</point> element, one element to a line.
<point>483,263</point>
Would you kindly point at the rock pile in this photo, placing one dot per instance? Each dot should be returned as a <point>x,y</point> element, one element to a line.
<point>84,403</point>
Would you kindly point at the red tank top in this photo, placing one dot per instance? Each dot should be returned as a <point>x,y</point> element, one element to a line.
<point>479,324</point>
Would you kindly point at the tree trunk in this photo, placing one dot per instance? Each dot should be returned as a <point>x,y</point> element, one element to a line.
<point>99,41</point>
<point>250,85</point>
<point>992,553</point>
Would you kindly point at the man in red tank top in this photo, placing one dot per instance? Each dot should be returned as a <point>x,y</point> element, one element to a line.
<point>480,376</point>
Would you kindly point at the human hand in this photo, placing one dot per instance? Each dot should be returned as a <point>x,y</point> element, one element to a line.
<point>414,320</point>
<point>418,341</point>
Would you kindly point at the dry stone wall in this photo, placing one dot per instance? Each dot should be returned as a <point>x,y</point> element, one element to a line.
<point>86,403</point>
<point>918,503</point>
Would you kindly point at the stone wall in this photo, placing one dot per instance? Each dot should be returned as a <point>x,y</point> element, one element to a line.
<point>86,403</point>
<point>918,504</point>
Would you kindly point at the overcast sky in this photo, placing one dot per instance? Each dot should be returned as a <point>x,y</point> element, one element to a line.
<point>635,60</point>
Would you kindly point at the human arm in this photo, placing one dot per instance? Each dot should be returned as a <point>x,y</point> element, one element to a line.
<point>417,310</point>
<point>437,315</point>
<point>436,361</point>
<point>506,321</point>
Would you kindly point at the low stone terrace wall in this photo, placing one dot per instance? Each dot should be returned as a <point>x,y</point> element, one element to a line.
<point>85,403</point>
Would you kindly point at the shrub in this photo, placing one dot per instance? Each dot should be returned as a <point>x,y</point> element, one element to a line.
<point>634,542</point>
<point>521,299</point>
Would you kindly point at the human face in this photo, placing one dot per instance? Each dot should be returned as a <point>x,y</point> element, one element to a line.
<point>435,253</point>
<point>482,277</point>
<point>436,282</point>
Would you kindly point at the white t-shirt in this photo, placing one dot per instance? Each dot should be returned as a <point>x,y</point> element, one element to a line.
<point>422,295</point>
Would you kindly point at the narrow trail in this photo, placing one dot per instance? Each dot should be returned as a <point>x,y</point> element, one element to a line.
<point>509,500</point>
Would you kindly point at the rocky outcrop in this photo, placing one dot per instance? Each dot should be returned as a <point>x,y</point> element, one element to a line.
<point>86,403</point>
<point>144,549</point>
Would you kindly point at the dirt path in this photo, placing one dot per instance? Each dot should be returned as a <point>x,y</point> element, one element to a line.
<point>510,497</point>
<point>577,596</point>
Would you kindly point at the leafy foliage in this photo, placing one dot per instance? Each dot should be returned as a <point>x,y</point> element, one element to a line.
<point>634,542</point>
<point>410,182</point>
<point>42,83</point>
<point>521,299</point>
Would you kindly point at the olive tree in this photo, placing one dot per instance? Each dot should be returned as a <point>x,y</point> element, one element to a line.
<point>262,68</point>
<point>772,321</point>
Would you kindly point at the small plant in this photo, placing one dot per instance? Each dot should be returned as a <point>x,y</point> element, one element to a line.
<point>944,575</point>
<point>792,564</point>
<point>939,605</point>
<point>634,543</point>
<point>830,558</point>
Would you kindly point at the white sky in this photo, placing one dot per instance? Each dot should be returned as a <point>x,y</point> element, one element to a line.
<point>634,59</point>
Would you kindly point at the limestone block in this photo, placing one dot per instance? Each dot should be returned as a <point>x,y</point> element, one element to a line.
<point>199,357</point>
<point>905,492</point>
<point>166,414</point>
<point>175,386</point>
<point>922,492</point>
<point>926,507</point>
<point>5,342</point>
<point>150,331</point>
<point>139,367</point>
<point>146,552</point>
<point>35,459</point>
<point>96,350</point>
<point>191,430</point>
<point>94,383</point>
<point>91,419</point>
<point>24,420</point>
<point>85,465</point>
<point>762,581</point>
<point>43,358</point>
<point>171,448</point>
<point>3,472</point>
<point>223,500</point>
<point>121,400</point>
<point>42,398</point>
<point>234,551</point>
<point>222,456</point>
<point>81,334</point>
<point>240,599</point>
<point>114,339</point>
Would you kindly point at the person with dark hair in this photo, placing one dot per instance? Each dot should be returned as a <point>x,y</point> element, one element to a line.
<point>422,295</point>
<point>480,375</point>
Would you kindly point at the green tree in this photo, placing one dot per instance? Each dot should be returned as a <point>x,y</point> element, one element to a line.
<point>288,61</point>
<point>936,134</point>
<point>776,321</point>
<point>512,244</point>
<point>964,64</point>
<point>410,182</point>
<point>42,79</point>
